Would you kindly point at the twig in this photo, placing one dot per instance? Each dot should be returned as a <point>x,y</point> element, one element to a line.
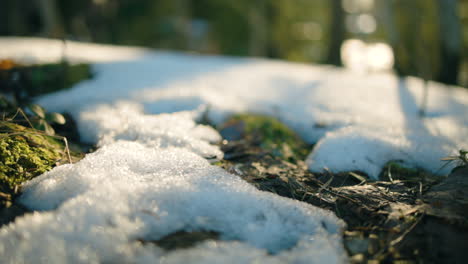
<point>390,173</point>
<point>397,240</point>
<point>67,150</point>
<point>406,232</point>
<point>325,186</point>
<point>20,111</point>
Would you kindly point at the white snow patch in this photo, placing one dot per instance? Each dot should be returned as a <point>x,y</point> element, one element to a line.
<point>359,121</point>
<point>125,192</point>
<point>126,121</point>
<point>97,209</point>
<point>37,50</point>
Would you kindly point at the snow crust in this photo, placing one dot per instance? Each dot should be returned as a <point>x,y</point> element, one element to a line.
<point>106,124</point>
<point>359,121</point>
<point>151,178</point>
<point>98,209</point>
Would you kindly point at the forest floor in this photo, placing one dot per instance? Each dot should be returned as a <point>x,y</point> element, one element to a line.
<point>408,216</point>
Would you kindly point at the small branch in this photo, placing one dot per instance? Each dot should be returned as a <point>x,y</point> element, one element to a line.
<point>24,116</point>
<point>400,238</point>
<point>67,149</point>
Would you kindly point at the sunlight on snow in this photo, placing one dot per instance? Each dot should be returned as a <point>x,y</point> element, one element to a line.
<point>364,57</point>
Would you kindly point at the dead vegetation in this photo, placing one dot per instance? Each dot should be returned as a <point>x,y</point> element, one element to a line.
<point>29,144</point>
<point>409,216</point>
<point>24,154</point>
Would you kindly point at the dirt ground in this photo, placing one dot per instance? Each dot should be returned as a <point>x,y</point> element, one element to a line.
<point>409,216</point>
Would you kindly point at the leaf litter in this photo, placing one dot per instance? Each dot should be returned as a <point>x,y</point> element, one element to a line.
<point>382,215</point>
<point>393,220</point>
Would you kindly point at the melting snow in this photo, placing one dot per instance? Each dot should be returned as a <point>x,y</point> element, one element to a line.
<point>98,209</point>
<point>149,179</point>
<point>360,122</point>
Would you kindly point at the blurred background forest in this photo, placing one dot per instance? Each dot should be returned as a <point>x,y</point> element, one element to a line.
<point>425,38</point>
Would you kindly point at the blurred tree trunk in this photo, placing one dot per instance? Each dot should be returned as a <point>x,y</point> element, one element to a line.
<point>450,41</point>
<point>52,26</point>
<point>258,22</point>
<point>404,23</point>
<point>183,24</point>
<point>386,12</point>
<point>337,32</point>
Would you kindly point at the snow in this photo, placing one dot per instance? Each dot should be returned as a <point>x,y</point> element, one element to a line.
<point>37,50</point>
<point>359,122</point>
<point>149,178</point>
<point>96,210</point>
<point>126,121</point>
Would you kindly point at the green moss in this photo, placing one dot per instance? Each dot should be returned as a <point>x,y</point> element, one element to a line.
<point>400,170</point>
<point>25,82</point>
<point>47,78</point>
<point>274,135</point>
<point>396,170</point>
<point>25,154</point>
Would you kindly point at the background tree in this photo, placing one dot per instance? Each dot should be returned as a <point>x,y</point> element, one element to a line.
<point>51,21</point>
<point>450,41</point>
<point>337,32</point>
<point>427,37</point>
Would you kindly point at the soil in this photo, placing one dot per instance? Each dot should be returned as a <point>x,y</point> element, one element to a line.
<point>409,216</point>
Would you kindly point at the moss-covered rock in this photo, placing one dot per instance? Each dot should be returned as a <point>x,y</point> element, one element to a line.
<point>25,153</point>
<point>27,81</point>
<point>272,135</point>
<point>49,78</point>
